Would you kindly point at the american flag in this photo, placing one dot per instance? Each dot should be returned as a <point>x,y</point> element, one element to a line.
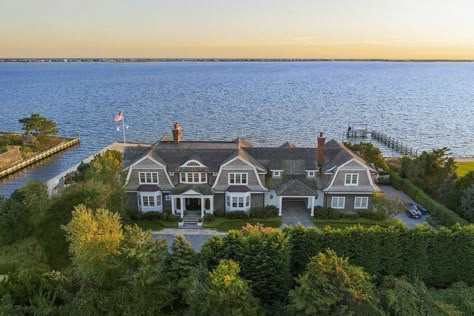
<point>118,117</point>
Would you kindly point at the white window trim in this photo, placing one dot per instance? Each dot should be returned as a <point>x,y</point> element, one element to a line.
<point>192,164</point>
<point>311,173</point>
<point>230,196</point>
<point>240,176</point>
<point>277,173</point>
<point>338,198</point>
<point>201,180</point>
<point>361,198</point>
<point>151,175</point>
<point>171,174</point>
<point>352,178</point>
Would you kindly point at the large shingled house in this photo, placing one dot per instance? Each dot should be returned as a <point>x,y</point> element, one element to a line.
<point>177,175</point>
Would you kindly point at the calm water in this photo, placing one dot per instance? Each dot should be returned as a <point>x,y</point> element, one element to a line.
<point>425,104</point>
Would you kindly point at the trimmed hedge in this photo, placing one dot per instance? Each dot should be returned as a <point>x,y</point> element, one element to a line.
<point>443,215</point>
<point>329,213</point>
<point>264,212</point>
<point>237,215</point>
<point>437,257</point>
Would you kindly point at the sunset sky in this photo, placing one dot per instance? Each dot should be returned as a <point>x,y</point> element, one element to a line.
<point>413,29</point>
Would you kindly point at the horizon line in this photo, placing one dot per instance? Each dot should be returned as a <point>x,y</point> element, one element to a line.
<point>217,59</point>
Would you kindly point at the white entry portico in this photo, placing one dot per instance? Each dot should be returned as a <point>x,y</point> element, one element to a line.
<point>187,202</point>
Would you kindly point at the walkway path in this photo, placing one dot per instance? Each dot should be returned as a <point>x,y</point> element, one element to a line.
<point>197,237</point>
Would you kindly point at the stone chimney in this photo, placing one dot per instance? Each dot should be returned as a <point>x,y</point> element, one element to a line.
<point>320,149</point>
<point>176,132</point>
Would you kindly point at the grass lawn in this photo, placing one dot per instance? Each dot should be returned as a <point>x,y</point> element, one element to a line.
<point>225,224</point>
<point>25,253</point>
<point>345,222</point>
<point>154,225</point>
<point>464,167</point>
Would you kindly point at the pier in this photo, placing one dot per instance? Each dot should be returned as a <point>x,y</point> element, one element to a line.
<point>13,167</point>
<point>394,144</point>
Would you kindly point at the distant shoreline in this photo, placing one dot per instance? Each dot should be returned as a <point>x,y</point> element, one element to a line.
<point>144,60</point>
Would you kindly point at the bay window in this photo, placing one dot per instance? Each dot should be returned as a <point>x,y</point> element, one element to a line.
<point>237,201</point>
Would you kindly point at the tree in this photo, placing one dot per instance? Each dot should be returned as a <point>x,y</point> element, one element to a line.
<point>433,171</point>
<point>20,214</point>
<point>390,206</point>
<point>331,285</point>
<point>49,233</point>
<point>467,204</point>
<point>181,263</point>
<point>94,237</point>
<point>457,190</point>
<point>369,152</point>
<point>39,125</point>
<point>223,292</point>
<point>35,292</point>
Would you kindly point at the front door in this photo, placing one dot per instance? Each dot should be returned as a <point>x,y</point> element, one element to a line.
<point>193,204</point>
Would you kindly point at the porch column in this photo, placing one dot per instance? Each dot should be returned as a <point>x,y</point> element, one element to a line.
<point>212,203</point>
<point>173,211</point>
<point>280,206</point>
<point>182,207</point>
<point>202,206</point>
<point>312,206</point>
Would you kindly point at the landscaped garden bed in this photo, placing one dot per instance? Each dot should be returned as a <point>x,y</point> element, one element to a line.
<point>225,224</point>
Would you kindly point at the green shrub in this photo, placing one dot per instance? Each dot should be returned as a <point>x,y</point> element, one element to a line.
<point>443,215</point>
<point>209,218</point>
<point>219,213</point>
<point>152,216</point>
<point>263,212</point>
<point>172,218</point>
<point>329,213</point>
<point>374,215</point>
<point>237,215</point>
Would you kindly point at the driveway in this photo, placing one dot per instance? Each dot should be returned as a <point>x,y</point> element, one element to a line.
<point>197,237</point>
<point>392,192</point>
<point>295,212</point>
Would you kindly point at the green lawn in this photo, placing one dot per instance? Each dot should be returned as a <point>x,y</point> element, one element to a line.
<point>464,167</point>
<point>25,253</point>
<point>225,224</point>
<point>345,222</point>
<point>154,225</point>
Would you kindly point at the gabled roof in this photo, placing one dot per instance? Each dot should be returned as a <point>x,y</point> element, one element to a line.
<point>293,160</point>
<point>336,154</point>
<point>203,189</point>
<point>295,187</point>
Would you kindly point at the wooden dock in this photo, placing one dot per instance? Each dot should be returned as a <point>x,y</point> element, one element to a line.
<point>7,170</point>
<point>394,144</point>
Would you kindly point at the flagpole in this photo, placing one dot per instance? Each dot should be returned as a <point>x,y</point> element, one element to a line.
<point>123,126</point>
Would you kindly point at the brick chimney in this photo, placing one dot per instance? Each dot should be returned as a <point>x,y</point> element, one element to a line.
<point>176,132</point>
<point>320,149</point>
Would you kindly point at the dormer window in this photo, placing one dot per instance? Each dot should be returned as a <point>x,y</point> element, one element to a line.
<point>238,178</point>
<point>276,173</point>
<point>193,177</point>
<point>351,179</point>
<point>310,173</point>
<point>148,177</point>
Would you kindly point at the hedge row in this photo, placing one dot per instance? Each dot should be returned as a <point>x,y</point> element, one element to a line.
<point>443,215</point>
<point>437,257</point>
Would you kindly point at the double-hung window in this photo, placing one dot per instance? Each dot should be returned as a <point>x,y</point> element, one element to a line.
<point>148,177</point>
<point>238,178</point>
<point>351,179</point>
<point>361,202</point>
<point>338,202</point>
